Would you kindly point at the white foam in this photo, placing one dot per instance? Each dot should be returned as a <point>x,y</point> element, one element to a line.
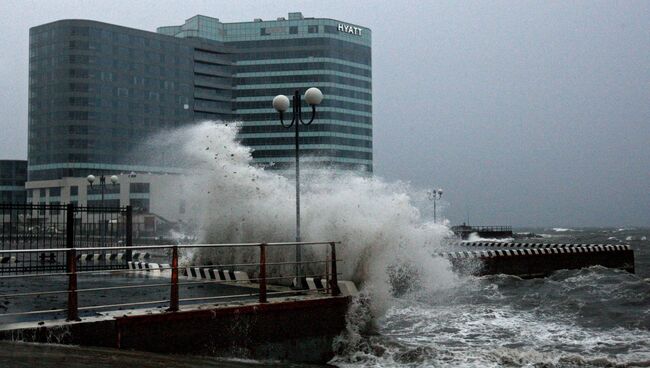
<point>235,201</point>
<point>473,237</point>
<point>476,336</point>
<point>561,229</point>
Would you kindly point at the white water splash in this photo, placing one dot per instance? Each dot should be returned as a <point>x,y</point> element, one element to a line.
<point>474,237</point>
<point>375,221</point>
<point>561,229</point>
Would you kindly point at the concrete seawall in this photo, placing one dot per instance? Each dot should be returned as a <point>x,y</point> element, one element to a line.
<point>538,260</point>
<point>297,329</point>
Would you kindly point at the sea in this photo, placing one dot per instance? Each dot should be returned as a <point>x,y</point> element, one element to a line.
<point>592,317</point>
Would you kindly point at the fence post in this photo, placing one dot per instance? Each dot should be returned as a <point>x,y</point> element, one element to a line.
<point>173,297</point>
<point>129,233</point>
<point>327,273</point>
<point>71,265</point>
<point>334,283</point>
<point>262,276</point>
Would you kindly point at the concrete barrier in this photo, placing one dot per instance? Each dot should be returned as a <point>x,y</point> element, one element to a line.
<point>7,260</point>
<point>526,245</point>
<point>165,270</point>
<point>137,256</point>
<point>114,257</point>
<point>292,329</point>
<point>154,268</point>
<point>314,283</point>
<point>537,259</point>
<point>241,276</point>
<point>192,272</point>
<point>347,288</point>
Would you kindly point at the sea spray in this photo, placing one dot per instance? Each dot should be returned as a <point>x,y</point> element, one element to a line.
<point>236,201</point>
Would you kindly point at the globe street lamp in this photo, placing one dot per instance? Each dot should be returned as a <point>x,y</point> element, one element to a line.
<point>102,185</point>
<point>434,195</point>
<point>313,97</point>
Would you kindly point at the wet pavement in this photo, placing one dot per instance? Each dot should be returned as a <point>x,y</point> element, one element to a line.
<point>141,287</point>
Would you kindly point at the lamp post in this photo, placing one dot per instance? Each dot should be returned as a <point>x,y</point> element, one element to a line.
<point>313,97</point>
<point>434,195</point>
<point>102,185</point>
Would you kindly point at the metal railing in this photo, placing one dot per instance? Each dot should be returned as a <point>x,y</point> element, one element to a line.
<point>49,227</point>
<point>262,279</point>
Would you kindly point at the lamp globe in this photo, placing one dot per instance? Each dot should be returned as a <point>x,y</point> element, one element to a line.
<point>281,103</point>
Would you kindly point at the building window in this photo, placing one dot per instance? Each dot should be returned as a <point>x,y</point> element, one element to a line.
<point>105,203</point>
<point>74,190</point>
<point>139,187</point>
<point>330,29</point>
<point>263,32</point>
<point>140,205</point>
<point>312,29</point>
<point>42,193</point>
<point>293,30</point>
<point>97,189</point>
<point>54,210</point>
<point>55,192</point>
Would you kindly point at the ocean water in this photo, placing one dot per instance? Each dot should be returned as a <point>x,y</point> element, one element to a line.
<point>594,317</point>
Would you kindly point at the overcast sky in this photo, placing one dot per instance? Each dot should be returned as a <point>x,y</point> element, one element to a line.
<point>526,113</point>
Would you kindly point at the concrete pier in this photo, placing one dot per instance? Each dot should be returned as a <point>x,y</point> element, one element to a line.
<point>297,328</point>
<point>537,259</point>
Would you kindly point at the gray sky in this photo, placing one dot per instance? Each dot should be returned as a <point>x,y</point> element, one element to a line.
<point>526,113</point>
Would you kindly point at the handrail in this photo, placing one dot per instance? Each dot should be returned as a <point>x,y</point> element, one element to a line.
<point>167,246</point>
<point>117,271</point>
<point>71,260</point>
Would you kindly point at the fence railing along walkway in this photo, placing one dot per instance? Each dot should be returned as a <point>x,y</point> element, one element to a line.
<point>48,227</point>
<point>260,279</point>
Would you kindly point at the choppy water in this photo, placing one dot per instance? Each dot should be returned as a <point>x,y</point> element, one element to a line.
<point>592,317</point>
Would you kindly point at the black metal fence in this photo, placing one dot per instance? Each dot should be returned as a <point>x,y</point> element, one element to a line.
<point>51,226</point>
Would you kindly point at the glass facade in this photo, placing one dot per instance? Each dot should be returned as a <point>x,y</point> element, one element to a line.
<point>13,174</point>
<point>277,57</point>
<point>97,91</point>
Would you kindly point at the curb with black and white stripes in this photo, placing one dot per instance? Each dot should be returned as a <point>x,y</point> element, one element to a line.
<point>206,273</point>
<point>533,245</point>
<point>347,288</point>
<point>215,274</point>
<point>538,259</point>
<point>522,251</point>
<point>89,257</point>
